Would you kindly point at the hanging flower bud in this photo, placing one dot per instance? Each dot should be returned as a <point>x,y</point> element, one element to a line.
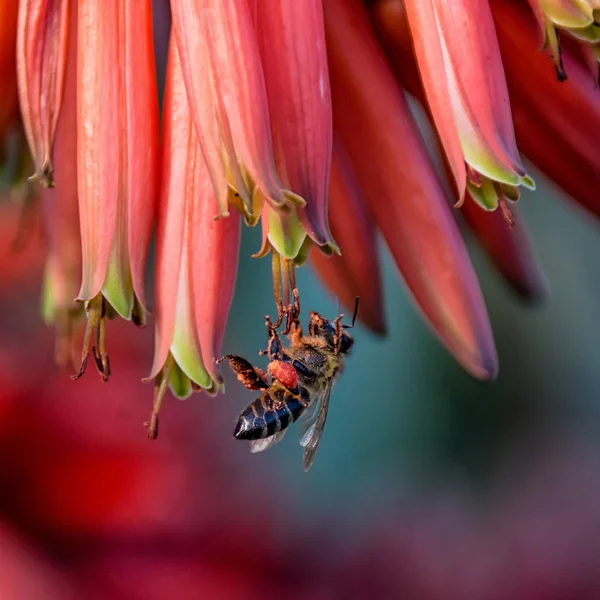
<point>466,91</point>
<point>291,37</point>
<point>61,217</point>
<point>224,79</point>
<point>196,258</point>
<point>42,40</point>
<point>117,161</point>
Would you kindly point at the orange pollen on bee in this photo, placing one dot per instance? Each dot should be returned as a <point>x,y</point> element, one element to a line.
<point>284,372</point>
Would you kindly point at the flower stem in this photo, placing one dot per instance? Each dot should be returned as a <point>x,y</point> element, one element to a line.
<point>160,389</point>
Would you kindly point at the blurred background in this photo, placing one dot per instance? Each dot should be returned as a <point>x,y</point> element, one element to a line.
<point>427,485</point>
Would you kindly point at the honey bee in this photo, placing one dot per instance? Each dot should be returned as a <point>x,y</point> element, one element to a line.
<point>298,382</point>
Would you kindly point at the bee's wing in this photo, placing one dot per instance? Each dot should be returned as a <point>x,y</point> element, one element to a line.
<point>309,416</point>
<point>313,425</point>
<point>266,443</point>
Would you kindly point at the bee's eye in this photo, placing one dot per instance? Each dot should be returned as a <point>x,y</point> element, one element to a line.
<point>347,342</point>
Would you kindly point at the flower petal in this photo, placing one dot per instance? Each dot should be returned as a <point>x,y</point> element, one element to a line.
<point>118,148</point>
<point>291,38</point>
<point>142,138</point>
<point>196,254</point>
<point>432,69</point>
<point>42,40</point>
<point>357,271</point>
<point>214,255</point>
<point>178,149</point>
<point>401,186</point>
<point>223,75</point>
<point>474,77</point>
<point>98,139</point>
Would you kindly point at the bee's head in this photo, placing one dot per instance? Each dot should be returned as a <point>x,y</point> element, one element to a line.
<point>347,339</point>
<point>327,330</point>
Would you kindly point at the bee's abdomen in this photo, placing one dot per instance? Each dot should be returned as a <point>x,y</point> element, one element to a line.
<point>274,410</point>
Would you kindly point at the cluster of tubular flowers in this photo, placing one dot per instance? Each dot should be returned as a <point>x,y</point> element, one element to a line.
<point>291,116</point>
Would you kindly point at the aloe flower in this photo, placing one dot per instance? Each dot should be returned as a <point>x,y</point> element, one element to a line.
<point>299,98</point>
<point>464,73</point>
<point>196,258</point>
<point>224,80</point>
<point>117,144</point>
<point>43,29</point>
<point>294,116</point>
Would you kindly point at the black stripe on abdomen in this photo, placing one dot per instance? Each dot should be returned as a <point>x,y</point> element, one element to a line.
<point>271,412</point>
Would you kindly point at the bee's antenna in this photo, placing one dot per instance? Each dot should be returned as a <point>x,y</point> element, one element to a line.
<point>337,303</point>
<point>354,315</point>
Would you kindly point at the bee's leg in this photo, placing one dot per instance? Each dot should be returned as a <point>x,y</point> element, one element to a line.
<point>293,315</point>
<point>337,336</point>
<point>275,347</point>
<point>252,378</point>
<point>315,322</point>
<point>281,312</point>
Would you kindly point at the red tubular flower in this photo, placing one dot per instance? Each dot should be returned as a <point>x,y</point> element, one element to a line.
<point>61,215</point>
<point>557,128</point>
<point>356,272</point>
<point>376,127</point>
<point>196,258</point>
<point>224,80</point>
<point>291,37</point>
<point>466,91</point>
<point>509,247</point>
<point>42,35</point>
<point>117,121</point>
